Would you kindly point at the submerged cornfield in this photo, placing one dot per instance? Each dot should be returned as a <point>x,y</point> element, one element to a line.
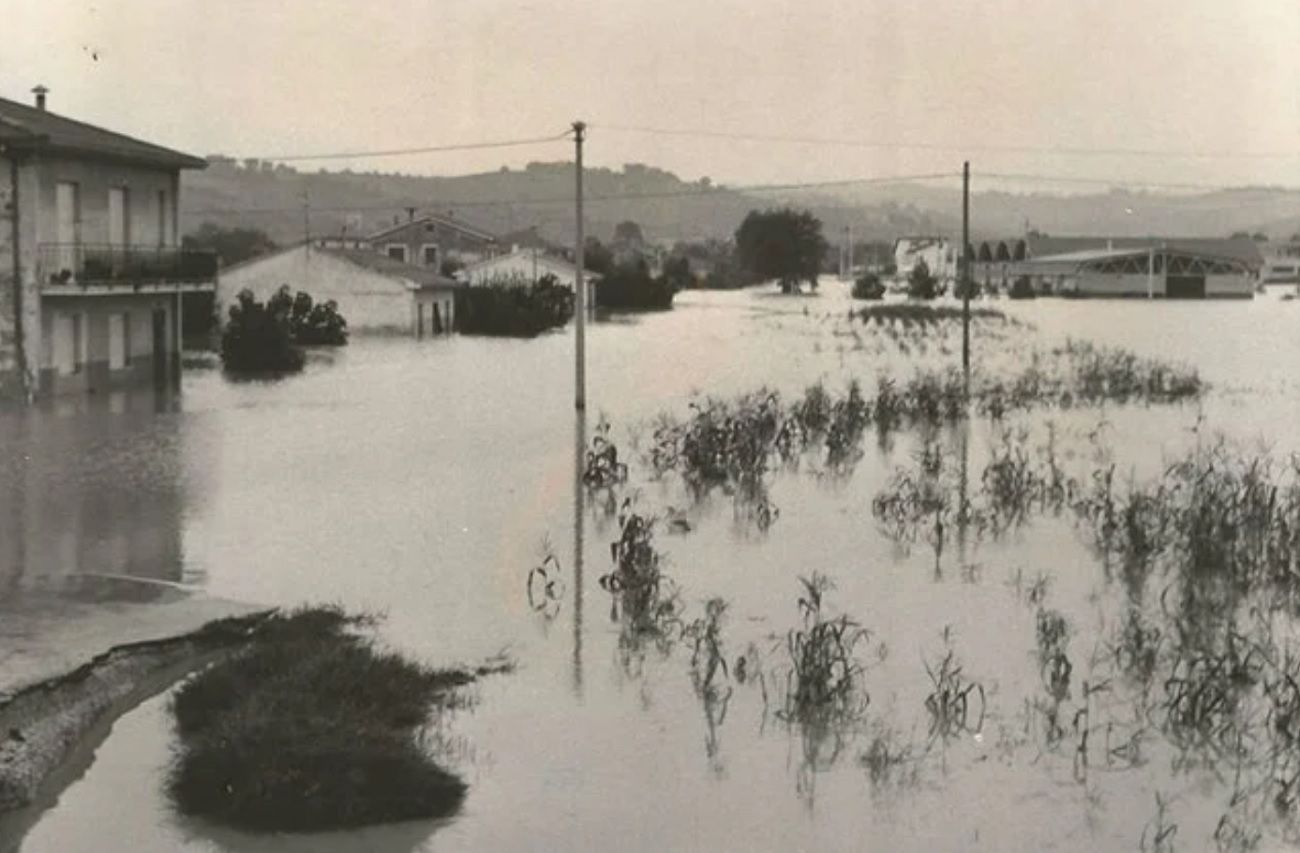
<point>793,583</point>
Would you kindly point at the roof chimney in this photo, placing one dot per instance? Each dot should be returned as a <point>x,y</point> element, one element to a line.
<point>40,92</point>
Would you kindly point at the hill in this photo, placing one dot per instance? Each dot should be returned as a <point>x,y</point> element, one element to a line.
<point>668,209</point>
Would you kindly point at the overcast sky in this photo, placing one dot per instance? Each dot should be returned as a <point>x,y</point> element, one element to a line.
<point>266,77</point>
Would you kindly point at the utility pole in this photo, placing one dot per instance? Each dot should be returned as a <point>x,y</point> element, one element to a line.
<point>579,285</point>
<point>965,274</point>
<point>850,251</point>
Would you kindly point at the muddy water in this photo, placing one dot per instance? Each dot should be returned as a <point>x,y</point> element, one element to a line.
<point>423,480</point>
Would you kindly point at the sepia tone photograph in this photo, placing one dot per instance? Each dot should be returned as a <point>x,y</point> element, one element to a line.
<point>542,425</point>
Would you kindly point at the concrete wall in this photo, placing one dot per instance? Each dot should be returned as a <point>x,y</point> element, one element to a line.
<point>94,179</point>
<point>370,302</point>
<point>1117,284</point>
<point>433,312</point>
<point>92,370</point>
<point>10,381</point>
<point>1114,284</point>
<point>1239,286</point>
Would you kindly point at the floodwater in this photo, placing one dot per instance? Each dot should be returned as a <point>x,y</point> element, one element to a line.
<point>423,480</point>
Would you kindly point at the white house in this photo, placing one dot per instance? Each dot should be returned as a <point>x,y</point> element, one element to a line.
<point>374,293</point>
<point>527,265</point>
<point>937,252</point>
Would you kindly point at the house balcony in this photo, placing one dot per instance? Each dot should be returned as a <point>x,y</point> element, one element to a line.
<point>81,268</point>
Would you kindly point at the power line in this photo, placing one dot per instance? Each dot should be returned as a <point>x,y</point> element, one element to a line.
<point>1072,151</point>
<point>1124,184</point>
<point>710,193</point>
<point>428,149</point>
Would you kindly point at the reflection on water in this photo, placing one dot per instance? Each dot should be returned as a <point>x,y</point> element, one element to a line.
<point>416,479</point>
<point>91,498</point>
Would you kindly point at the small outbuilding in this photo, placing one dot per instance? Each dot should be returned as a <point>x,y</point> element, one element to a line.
<point>375,294</point>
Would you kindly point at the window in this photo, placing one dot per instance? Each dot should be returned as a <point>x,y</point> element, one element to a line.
<point>164,218</point>
<point>119,341</point>
<point>119,217</point>
<point>396,251</point>
<point>430,251</point>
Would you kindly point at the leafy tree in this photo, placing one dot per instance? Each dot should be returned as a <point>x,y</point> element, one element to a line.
<point>628,232</point>
<point>920,283</point>
<point>597,257</point>
<point>785,244</point>
<point>232,245</point>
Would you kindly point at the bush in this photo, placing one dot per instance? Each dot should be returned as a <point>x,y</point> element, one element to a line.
<point>630,287</point>
<point>513,306</point>
<point>1022,288</point>
<point>311,728</point>
<point>920,283</point>
<point>258,338</point>
<point>869,286</point>
<point>309,323</point>
<point>974,286</point>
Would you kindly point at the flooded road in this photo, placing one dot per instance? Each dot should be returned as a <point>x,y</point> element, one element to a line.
<point>423,480</point>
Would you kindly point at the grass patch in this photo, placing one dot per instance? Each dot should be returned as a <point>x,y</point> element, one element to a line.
<point>923,314</point>
<point>312,728</point>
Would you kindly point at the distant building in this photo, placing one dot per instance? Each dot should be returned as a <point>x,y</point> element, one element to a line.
<point>1151,272</point>
<point>375,294</point>
<point>1047,260</point>
<point>526,265</point>
<point>937,253</point>
<point>429,241</point>
<point>91,270</point>
<point>1282,266</point>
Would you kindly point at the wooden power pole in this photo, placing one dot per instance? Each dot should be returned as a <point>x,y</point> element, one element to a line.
<point>579,285</point>
<point>965,274</point>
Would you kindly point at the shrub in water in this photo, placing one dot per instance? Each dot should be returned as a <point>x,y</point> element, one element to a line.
<point>259,338</point>
<point>868,286</point>
<point>513,306</point>
<point>311,324</point>
<point>1022,288</point>
<point>630,287</point>
<point>311,728</point>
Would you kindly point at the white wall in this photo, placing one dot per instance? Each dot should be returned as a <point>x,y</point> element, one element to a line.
<point>370,302</point>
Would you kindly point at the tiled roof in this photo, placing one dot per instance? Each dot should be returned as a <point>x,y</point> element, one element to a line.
<point>425,277</point>
<point>25,126</point>
<point>1237,249</point>
<point>445,221</point>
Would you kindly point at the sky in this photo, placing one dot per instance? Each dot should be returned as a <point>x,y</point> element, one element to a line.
<point>1186,91</point>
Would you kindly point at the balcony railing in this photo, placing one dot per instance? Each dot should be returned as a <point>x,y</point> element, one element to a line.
<point>81,264</point>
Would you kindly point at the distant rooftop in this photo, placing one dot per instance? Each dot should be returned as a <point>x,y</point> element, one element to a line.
<point>25,127</point>
<point>425,277</point>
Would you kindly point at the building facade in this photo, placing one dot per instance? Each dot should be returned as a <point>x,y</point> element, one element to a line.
<point>375,294</point>
<point>1047,261</point>
<point>937,253</point>
<point>92,275</point>
<point>430,241</point>
<point>1153,273</point>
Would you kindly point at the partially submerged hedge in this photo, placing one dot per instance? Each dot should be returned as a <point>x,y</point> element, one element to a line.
<point>266,338</point>
<point>312,728</point>
<point>513,306</point>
